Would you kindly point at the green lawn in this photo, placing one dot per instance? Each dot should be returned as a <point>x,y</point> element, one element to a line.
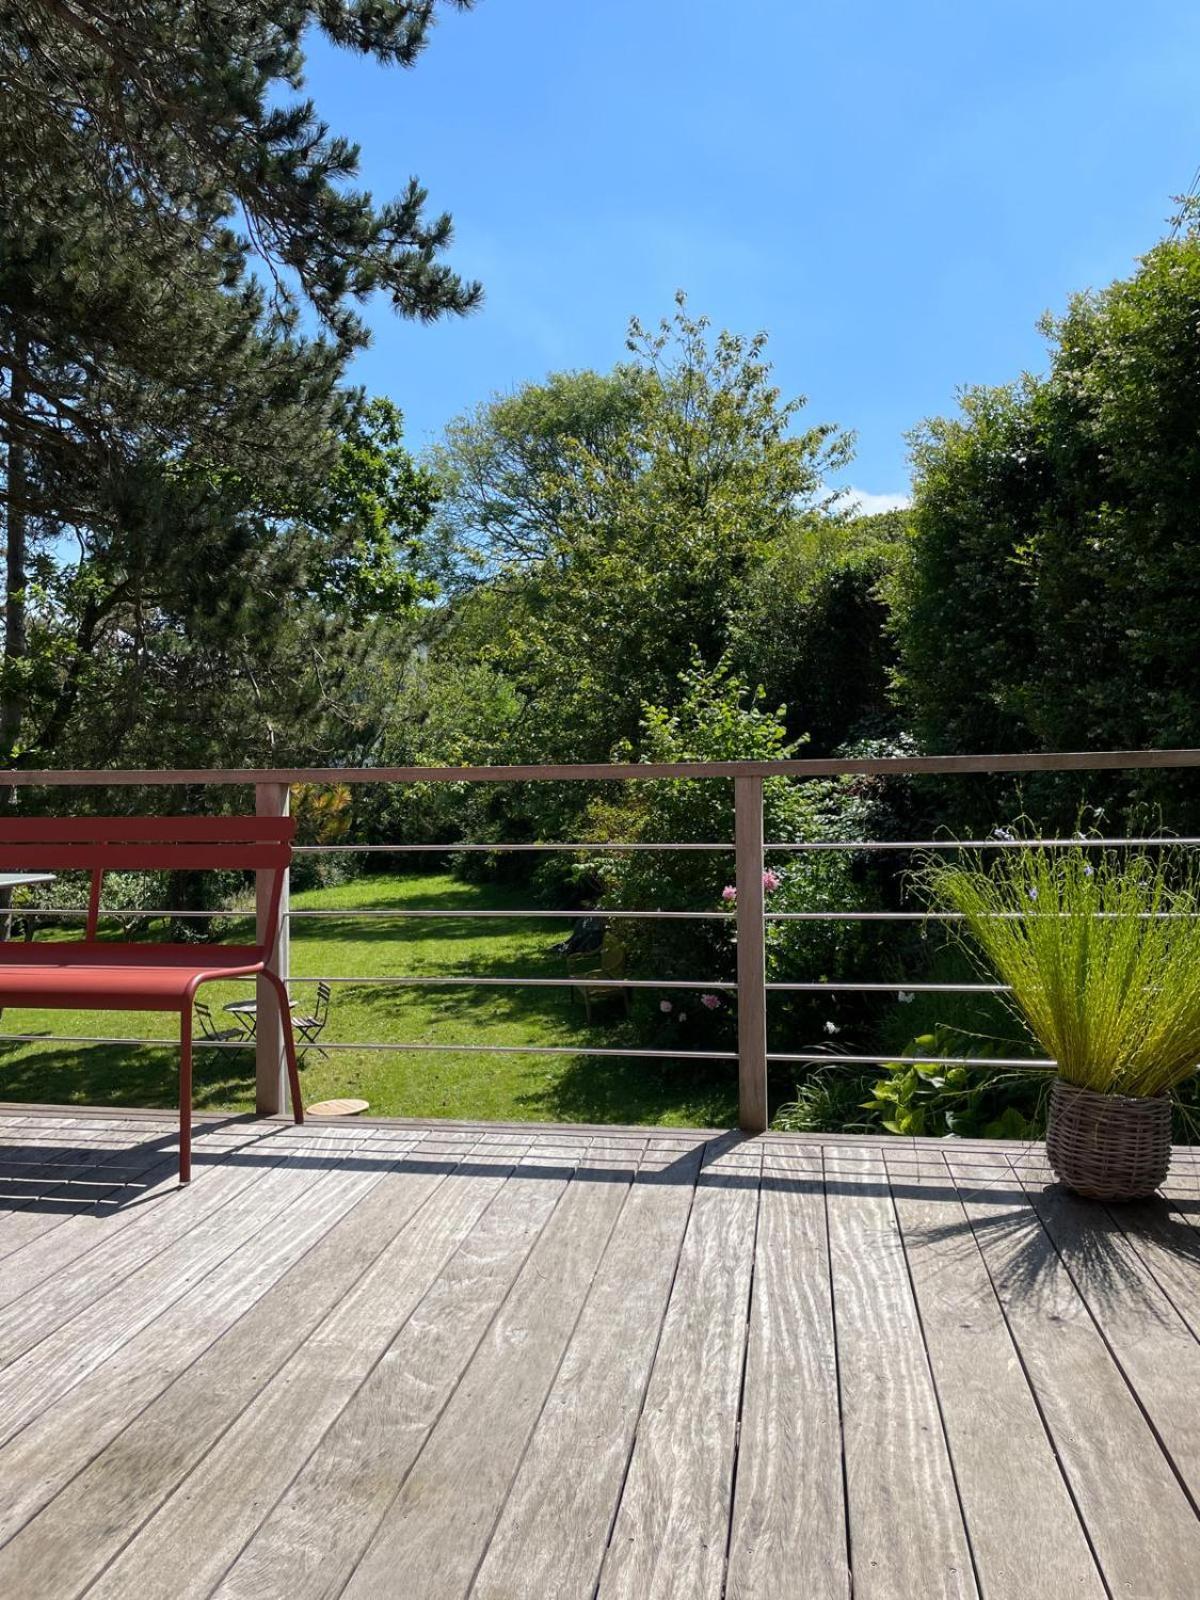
<point>463,1084</point>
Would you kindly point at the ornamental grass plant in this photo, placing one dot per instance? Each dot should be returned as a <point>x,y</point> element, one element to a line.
<point>1101,953</point>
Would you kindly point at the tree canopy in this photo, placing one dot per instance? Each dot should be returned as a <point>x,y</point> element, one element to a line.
<point>615,522</point>
<point>183,252</point>
<point>1050,596</point>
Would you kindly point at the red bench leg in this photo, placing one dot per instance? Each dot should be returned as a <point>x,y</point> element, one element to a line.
<point>185,1095</point>
<point>289,1044</point>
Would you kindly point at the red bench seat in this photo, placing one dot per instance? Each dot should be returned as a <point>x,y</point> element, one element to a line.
<point>116,977</point>
<point>97,975</point>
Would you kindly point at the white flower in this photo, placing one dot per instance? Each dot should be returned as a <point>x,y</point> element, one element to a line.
<point>1033,892</point>
<point>906,997</point>
<point>665,1005</point>
<point>832,1027</point>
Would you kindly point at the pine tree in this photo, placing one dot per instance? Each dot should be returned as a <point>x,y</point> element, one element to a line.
<point>181,259</point>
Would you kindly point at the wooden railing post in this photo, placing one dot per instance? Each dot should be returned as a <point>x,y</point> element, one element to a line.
<point>751,954</point>
<point>270,800</point>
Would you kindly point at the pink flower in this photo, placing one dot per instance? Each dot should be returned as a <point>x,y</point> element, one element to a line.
<point>771,880</point>
<point>665,1005</point>
<point>710,1001</point>
<point>728,892</point>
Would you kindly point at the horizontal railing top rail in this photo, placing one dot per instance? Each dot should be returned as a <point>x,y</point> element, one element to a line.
<point>818,767</point>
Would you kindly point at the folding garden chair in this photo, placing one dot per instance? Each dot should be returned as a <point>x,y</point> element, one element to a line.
<point>209,1029</point>
<point>310,1029</point>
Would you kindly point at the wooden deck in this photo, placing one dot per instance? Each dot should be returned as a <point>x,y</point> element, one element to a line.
<point>432,1361</point>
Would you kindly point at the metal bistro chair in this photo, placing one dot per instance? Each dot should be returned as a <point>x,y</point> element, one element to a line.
<point>310,1029</point>
<point>209,1029</point>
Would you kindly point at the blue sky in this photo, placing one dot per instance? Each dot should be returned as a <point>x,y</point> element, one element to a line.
<point>894,189</point>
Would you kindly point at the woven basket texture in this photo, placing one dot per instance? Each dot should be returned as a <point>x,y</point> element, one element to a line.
<point>1108,1146</point>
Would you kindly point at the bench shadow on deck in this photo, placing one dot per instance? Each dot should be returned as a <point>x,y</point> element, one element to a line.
<point>426,1361</point>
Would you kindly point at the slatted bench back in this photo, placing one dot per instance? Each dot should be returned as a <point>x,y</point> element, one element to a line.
<point>147,844</point>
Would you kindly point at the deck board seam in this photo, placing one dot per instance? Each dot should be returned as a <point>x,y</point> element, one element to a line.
<point>741,1403</point>
<point>115,1284</point>
<point>837,1373</point>
<point>135,1417</point>
<point>567,1342</point>
<point>232,1421</point>
<point>653,1362</point>
<point>934,1385</point>
<point>352,1572</point>
<point>741,1400</point>
<point>369,1373</point>
<point>1056,1454</point>
<point>1096,1322</point>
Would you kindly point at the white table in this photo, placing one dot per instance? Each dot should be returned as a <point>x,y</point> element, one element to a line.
<point>246,1013</point>
<point>18,880</point>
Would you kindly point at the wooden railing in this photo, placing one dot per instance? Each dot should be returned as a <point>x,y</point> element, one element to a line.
<point>272,787</point>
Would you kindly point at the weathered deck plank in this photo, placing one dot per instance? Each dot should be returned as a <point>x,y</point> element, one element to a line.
<point>400,1360</point>
<point>1145,1534</point>
<point>995,1434</point>
<point>1153,1345</point>
<point>671,1529</point>
<point>551,1536</point>
<point>102,1509</point>
<point>789,1514</point>
<point>437,1529</point>
<point>316,1535</point>
<point>190,1542</point>
<point>907,1540</point>
<point>45,1455</point>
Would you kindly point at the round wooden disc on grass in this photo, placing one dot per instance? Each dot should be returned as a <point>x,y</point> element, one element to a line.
<point>336,1108</point>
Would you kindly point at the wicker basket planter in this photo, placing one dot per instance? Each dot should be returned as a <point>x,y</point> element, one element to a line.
<point>1108,1146</point>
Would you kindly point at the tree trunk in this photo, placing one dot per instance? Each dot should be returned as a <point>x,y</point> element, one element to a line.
<point>12,703</point>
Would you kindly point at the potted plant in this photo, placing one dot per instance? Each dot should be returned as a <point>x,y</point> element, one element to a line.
<point>1102,959</point>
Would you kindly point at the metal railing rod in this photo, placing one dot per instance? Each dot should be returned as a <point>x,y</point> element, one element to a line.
<point>570,916</point>
<point>456,981</point>
<point>812,1058</point>
<point>485,849</point>
<point>957,916</point>
<point>982,844</point>
<point>407,1045</point>
<point>373,912</point>
<point>1089,843</point>
<point>1016,1063</point>
<point>542,1050</point>
<point>588,911</point>
<point>891,988</point>
<point>102,1038</point>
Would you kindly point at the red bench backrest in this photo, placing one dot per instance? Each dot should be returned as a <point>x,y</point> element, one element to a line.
<point>145,844</point>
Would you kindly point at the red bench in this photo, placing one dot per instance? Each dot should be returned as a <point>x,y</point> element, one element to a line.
<point>95,975</point>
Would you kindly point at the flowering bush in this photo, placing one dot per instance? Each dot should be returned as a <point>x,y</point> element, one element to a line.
<point>719,718</point>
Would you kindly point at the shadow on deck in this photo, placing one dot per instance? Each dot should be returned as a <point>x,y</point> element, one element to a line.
<point>430,1360</point>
